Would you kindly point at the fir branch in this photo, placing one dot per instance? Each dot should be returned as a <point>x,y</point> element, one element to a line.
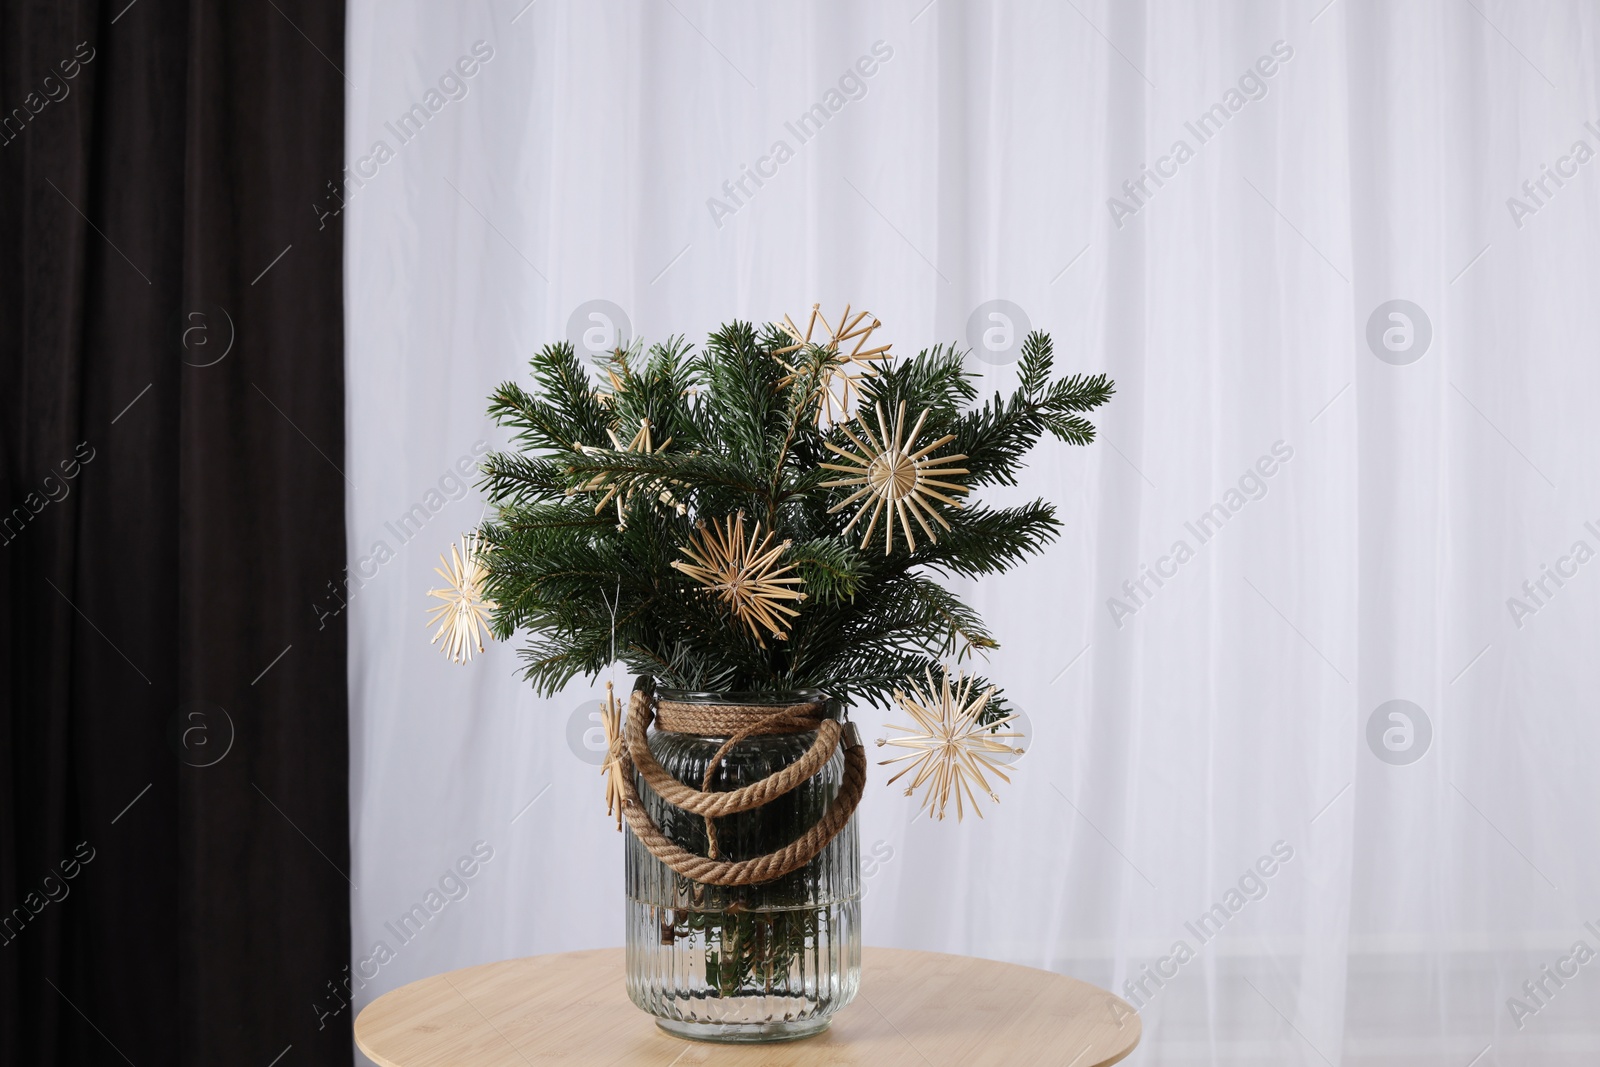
<point>741,407</point>
<point>565,413</point>
<point>655,386</point>
<point>986,541</point>
<point>512,478</point>
<point>633,470</point>
<point>936,378</point>
<point>518,522</point>
<point>832,570</point>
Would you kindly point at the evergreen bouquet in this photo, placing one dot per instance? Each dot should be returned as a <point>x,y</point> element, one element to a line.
<point>715,519</point>
<point>770,516</point>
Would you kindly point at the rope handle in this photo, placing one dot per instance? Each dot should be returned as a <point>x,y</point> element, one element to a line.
<point>634,751</point>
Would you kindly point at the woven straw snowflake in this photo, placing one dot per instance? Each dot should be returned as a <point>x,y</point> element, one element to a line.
<point>743,574</point>
<point>896,475</point>
<point>611,720</point>
<point>846,373</point>
<point>463,618</point>
<point>951,750</point>
<point>622,492</point>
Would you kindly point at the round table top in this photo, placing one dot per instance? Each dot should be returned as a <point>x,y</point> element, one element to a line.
<point>914,1008</point>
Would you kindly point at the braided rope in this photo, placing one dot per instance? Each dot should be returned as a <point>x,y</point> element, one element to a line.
<point>634,752</point>
<point>701,802</point>
<point>717,720</point>
<point>738,721</point>
<point>781,720</point>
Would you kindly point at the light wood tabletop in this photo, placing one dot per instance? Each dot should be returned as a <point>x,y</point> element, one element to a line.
<point>915,1009</point>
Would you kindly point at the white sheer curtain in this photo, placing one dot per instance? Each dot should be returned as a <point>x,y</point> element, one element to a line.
<point>1377,501</point>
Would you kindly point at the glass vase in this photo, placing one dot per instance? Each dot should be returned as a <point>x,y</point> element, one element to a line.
<point>767,962</point>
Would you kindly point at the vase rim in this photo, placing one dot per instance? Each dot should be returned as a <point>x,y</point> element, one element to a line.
<point>779,699</point>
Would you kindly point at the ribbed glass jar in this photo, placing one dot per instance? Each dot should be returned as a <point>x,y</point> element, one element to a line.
<point>767,962</point>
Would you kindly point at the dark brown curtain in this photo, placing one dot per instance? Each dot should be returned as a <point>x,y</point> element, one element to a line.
<point>174,854</point>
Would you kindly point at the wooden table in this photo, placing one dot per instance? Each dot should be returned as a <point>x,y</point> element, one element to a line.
<point>914,1008</point>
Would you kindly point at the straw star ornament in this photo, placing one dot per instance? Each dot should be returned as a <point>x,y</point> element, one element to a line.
<point>743,574</point>
<point>463,618</point>
<point>897,476</point>
<point>610,398</point>
<point>845,375</point>
<point>611,720</point>
<point>622,492</point>
<point>951,750</point>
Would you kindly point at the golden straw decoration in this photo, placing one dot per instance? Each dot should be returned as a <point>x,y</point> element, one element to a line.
<point>463,618</point>
<point>743,574</point>
<point>897,476</point>
<point>848,367</point>
<point>622,492</point>
<point>951,750</point>
<point>611,719</point>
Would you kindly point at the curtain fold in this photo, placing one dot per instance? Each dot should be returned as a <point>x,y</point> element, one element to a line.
<point>173,837</point>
